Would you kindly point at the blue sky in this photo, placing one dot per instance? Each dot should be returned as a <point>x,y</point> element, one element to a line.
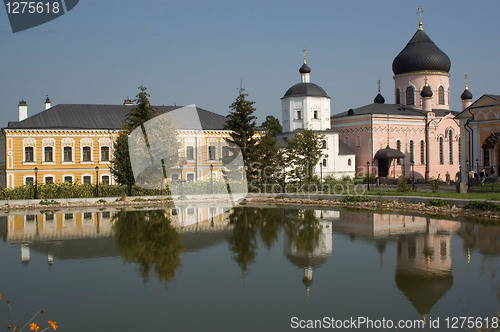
<point>196,52</point>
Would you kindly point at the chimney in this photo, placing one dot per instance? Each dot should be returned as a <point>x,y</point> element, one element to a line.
<point>23,110</point>
<point>47,103</point>
<point>128,102</point>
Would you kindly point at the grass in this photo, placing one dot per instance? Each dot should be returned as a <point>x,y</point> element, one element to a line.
<point>473,195</point>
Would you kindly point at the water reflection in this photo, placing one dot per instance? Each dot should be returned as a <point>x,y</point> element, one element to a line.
<point>149,240</point>
<point>414,251</point>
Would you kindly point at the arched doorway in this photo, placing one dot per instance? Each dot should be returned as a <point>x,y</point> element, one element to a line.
<point>383,168</point>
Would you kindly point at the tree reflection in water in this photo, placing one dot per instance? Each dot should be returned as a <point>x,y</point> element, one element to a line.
<point>148,239</point>
<point>302,228</point>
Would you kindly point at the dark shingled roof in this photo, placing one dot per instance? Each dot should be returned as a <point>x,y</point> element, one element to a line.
<point>379,99</point>
<point>421,54</point>
<point>391,109</point>
<point>89,116</point>
<point>306,89</point>
<point>304,69</point>
<point>426,92</point>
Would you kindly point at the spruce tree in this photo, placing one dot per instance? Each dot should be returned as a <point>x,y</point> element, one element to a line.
<point>241,122</point>
<point>270,158</point>
<point>120,163</point>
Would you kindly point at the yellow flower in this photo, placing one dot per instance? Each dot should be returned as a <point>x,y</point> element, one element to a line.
<point>53,324</point>
<point>9,326</point>
<point>34,327</point>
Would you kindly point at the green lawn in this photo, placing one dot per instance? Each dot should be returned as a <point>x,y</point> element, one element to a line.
<point>474,195</point>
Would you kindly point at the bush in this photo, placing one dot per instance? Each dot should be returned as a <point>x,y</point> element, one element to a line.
<point>436,183</point>
<point>483,206</point>
<point>437,202</point>
<point>402,184</point>
<point>356,199</point>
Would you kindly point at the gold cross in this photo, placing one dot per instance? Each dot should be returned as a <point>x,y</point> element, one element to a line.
<point>304,55</point>
<point>466,81</point>
<point>419,12</point>
<point>378,86</point>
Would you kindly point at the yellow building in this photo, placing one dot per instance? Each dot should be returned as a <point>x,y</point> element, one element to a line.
<point>74,143</point>
<point>480,121</point>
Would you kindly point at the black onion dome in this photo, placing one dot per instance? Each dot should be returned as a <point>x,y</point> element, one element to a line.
<point>426,92</point>
<point>466,95</point>
<point>421,54</point>
<point>306,89</point>
<point>379,99</point>
<point>304,69</point>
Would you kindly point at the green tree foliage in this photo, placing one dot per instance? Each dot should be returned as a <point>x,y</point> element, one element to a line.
<point>241,122</point>
<point>243,241</point>
<point>303,153</point>
<point>269,156</point>
<point>272,125</point>
<point>148,239</point>
<point>121,167</point>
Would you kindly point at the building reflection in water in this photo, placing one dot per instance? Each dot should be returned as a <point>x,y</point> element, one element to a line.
<point>423,262</point>
<point>423,270</point>
<point>308,241</point>
<point>90,233</point>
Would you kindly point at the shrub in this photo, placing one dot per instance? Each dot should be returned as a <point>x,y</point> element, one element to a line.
<point>356,199</point>
<point>436,183</point>
<point>437,202</point>
<point>483,206</point>
<point>402,184</point>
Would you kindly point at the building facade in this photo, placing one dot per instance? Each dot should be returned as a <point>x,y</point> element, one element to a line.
<point>307,106</point>
<point>417,136</point>
<point>480,125</point>
<point>75,143</point>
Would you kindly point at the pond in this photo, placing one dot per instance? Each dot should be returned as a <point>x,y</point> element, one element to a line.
<point>217,268</point>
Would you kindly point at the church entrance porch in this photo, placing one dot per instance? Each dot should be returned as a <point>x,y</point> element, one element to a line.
<point>384,158</point>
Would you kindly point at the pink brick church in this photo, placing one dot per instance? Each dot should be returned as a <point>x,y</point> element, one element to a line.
<point>418,132</point>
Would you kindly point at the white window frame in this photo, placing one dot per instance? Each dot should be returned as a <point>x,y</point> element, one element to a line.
<point>29,142</point>
<point>186,153</point>
<point>68,142</point>
<point>191,173</point>
<point>208,151</point>
<point>105,142</point>
<point>28,176</point>
<point>68,175</point>
<point>103,175</point>
<point>87,142</point>
<point>49,142</point>
<point>49,176</point>
<point>91,178</point>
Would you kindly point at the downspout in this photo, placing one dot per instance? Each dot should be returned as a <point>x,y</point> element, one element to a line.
<point>471,139</point>
<point>427,148</point>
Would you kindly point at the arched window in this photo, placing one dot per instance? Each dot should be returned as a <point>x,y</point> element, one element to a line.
<point>441,95</point>
<point>422,152</point>
<point>398,147</point>
<point>441,148</point>
<point>450,141</point>
<point>412,152</point>
<point>486,159</point>
<point>410,96</point>
<point>398,96</point>
<point>323,144</point>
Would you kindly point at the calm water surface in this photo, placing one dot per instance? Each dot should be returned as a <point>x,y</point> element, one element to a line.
<point>205,268</point>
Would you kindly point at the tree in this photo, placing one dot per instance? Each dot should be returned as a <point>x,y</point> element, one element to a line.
<point>272,125</point>
<point>121,166</point>
<point>270,158</point>
<point>241,122</point>
<point>148,239</point>
<point>303,152</point>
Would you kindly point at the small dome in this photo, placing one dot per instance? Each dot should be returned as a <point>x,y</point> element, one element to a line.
<point>466,95</point>
<point>304,69</point>
<point>306,89</point>
<point>421,54</point>
<point>379,99</point>
<point>426,92</point>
